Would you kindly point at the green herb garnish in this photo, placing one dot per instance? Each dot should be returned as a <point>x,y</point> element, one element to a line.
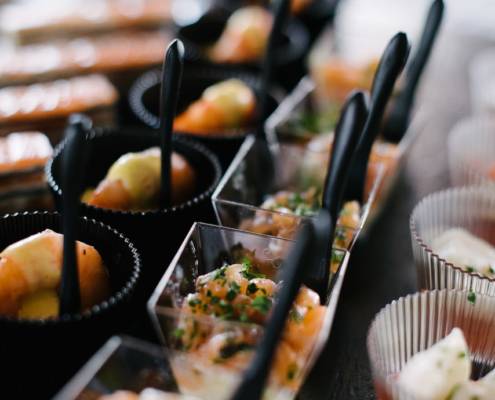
<point>471,297</point>
<point>262,304</point>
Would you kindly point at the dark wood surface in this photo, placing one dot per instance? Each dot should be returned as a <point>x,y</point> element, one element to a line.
<point>381,267</point>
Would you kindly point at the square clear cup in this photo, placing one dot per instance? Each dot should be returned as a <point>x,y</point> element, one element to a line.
<point>284,124</point>
<point>414,323</point>
<point>123,364</point>
<point>243,189</point>
<point>208,354</point>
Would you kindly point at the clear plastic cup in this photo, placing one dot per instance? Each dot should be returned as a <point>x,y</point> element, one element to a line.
<point>471,147</point>
<point>122,364</point>
<point>414,323</point>
<point>238,198</point>
<point>468,208</point>
<point>204,371</point>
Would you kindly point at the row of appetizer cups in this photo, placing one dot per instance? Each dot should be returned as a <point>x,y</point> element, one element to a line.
<point>155,233</point>
<point>141,227</point>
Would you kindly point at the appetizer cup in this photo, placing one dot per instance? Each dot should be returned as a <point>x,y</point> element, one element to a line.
<point>470,209</point>
<point>300,121</point>
<point>482,82</point>
<point>205,249</point>
<point>238,198</point>
<point>416,322</point>
<point>144,101</point>
<point>471,146</point>
<point>29,346</point>
<point>122,364</point>
<point>199,36</point>
<point>156,233</point>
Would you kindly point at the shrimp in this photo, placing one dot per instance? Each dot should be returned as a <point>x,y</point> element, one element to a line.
<point>226,105</point>
<point>133,182</point>
<point>302,329</point>
<point>34,265</point>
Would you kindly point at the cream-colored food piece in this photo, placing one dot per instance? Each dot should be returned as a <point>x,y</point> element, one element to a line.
<point>466,251</point>
<point>140,174</point>
<point>234,97</point>
<point>433,374</point>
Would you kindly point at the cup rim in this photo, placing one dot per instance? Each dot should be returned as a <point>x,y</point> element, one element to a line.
<point>459,191</point>
<point>105,132</point>
<point>151,78</point>
<point>104,307</point>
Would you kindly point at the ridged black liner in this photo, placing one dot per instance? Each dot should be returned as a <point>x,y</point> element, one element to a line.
<point>157,233</point>
<point>38,356</point>
<point>144,101</point>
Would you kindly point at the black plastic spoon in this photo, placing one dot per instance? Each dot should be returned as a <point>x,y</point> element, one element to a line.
<point>169,94</point>
<point>391,65</point>
<point>265,164</point>
<point>347,135</point>
<point>72,173</point>
<point>398,119</point>
<point>308,248</point>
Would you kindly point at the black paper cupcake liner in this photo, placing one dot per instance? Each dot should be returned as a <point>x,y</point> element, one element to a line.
<point>144,101</point>
<point>156,233</point>
<point>38,356</point>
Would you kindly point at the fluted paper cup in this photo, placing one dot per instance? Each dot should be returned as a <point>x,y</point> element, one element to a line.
<point>416,322</point>
<point>469,208</point>
<point>471,147</point>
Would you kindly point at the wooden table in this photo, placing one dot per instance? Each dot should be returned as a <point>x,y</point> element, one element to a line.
<point>381,267</point>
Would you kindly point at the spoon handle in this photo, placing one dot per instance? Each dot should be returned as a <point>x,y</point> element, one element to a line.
<point>281,15</point>
<point>72,174</point>
<point>391,64</point>
<point>401,108</point>
<point>308,244</point>
<point>347,135</point>
<point>169,94</point>
<point>418,63</point>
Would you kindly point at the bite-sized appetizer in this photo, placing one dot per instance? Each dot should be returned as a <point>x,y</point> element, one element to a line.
<point>226,105</point>
<point>442,372</point>
<point>102,54</point>
<point>27,22</point>
<point>30,274</point>
<point>46,105</point>
<point>243,293</point>
<point>133,182</point>
<point>245,36</point>
<point>335,79</point>
<point>287,204</point>
<point>146,394</point>
<point>434,373</point>
<point>23,151</point>
<point>465,251</point>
